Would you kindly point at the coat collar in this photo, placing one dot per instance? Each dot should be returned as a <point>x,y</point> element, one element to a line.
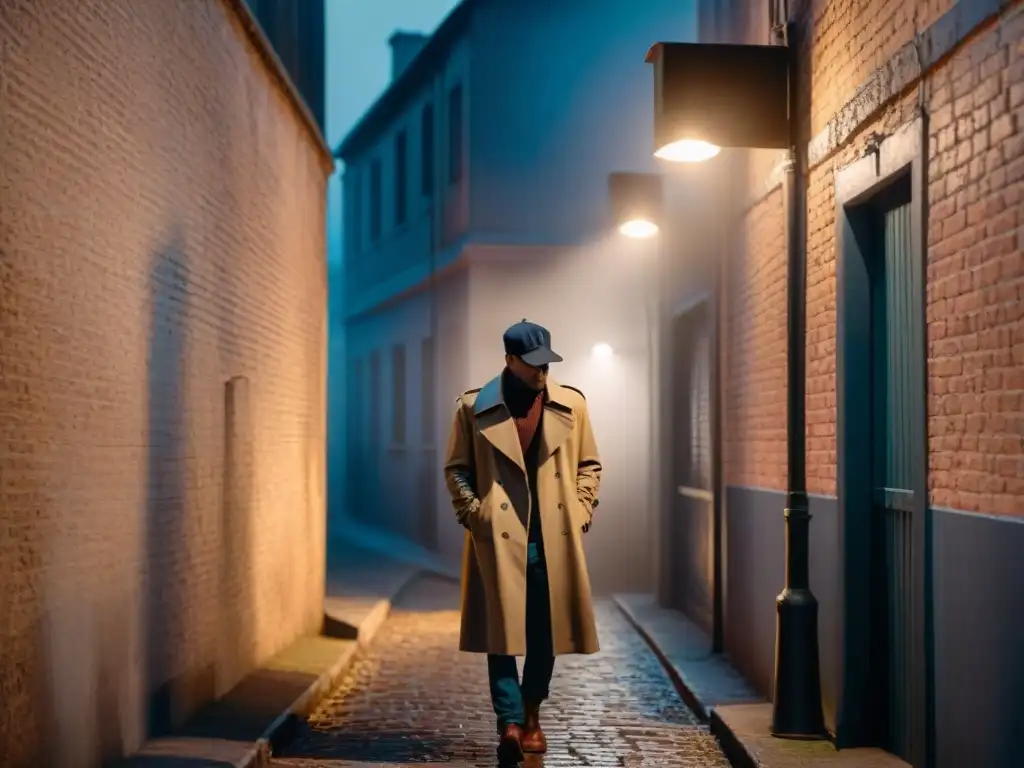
<point>496,424</point>
<point>490,396</point>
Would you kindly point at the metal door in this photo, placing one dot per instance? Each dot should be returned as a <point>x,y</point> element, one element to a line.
<point>896,546</point>
<point>690,523</point>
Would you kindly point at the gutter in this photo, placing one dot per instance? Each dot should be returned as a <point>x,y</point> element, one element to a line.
<point>278,72</point>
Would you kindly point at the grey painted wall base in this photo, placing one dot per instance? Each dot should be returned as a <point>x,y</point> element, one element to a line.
<point>755,575</point>
<point>978,599</point>
<point>978,632</point>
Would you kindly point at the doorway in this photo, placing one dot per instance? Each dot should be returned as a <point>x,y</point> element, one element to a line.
<point>882,452</point>
<point>892,546</point>
<point>691,514</point>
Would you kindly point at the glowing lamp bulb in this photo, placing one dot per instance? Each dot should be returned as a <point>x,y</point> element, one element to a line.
<point>687,151</point>
<point>602,350</point>
<point>639,229</point>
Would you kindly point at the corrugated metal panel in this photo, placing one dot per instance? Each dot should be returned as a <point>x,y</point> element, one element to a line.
<point>894,368</point>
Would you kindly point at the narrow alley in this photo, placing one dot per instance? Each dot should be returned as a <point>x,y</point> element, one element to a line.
<point>413,699</point>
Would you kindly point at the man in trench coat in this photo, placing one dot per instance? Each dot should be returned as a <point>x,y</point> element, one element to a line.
<point>523,472</point>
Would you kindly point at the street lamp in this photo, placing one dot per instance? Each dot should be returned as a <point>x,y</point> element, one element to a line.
<point>637,209</point>
<point>639,229</point>
<point>745,96</point>
<point>636,202</point>
<point>688,151</point>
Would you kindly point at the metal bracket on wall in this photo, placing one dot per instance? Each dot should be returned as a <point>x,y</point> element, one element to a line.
<point>695,493</point>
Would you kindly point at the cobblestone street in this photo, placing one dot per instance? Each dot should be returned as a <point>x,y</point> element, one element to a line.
<point>413,699</point>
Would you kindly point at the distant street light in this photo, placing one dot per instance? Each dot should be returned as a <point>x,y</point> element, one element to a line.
<point>639,229</point>
<point>687,151</point>
<point>636,203</point>
<point>745,96</point>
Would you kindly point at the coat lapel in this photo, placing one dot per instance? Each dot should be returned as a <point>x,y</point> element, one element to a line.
<point>496,423</point>
<point>498,428</point>
<point>558,420</point>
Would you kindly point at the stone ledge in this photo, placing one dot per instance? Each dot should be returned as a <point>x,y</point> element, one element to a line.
<point>243,728</point>
<point>742,730</point>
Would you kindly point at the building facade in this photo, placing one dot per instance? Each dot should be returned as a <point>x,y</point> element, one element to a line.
<point>476,194</point>
<point>163,333</point>
<point>910,126</point>
<point>296,31</point>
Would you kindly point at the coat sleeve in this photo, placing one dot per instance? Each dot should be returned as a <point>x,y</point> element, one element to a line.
<point>588,471</point>
<point>460,469</point>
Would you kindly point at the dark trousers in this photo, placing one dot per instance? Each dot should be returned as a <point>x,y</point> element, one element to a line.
<point>507,693</point>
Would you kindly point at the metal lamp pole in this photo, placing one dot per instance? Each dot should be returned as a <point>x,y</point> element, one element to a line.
<point>796,704</point>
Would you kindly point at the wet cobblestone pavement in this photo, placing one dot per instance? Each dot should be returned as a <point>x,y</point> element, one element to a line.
<point>412,699</point>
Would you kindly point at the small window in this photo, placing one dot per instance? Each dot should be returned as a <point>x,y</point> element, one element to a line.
<point>355,221</point>
<point>401,178</point>
<point>427,151</point>
<point>376,222</point>
<point>456,136</point>
<point>375,435</point>
<point>398,394</point>
<point>427,390</point>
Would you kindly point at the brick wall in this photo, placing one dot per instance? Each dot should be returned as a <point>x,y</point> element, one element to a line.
<point>975,271</point>
<point>161,232</point>
<point>975,286</point>
<point>754,453</point>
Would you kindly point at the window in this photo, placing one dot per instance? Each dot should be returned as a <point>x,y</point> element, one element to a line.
<point>375,405</point>
<point>376,221</point>
<point>401,178</point>
<point>427,151</point>
<point>455,135</point>
<point>427,389</point>
<point>355,224</point>
<point>398,394</point>
<point>356,431</point>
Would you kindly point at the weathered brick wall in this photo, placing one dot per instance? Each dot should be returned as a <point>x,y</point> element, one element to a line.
<point>975,271</point>
<point>754,453</point>
<point>161,231</point>
<point>975,301</point>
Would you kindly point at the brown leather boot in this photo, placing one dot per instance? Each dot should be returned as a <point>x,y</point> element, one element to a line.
<point>533,737</point>
<point>510,746</point>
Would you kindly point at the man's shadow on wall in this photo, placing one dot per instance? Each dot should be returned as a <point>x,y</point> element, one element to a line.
<point>167,578</point>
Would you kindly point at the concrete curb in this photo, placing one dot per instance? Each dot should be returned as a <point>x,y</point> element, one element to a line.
<point>735,751</point>
<point>738,718</point>
<point>684,689</point>
<point>283,728</point>
<point>732,746</point>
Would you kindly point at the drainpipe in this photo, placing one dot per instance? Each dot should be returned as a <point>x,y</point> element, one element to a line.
<point>796,712</point>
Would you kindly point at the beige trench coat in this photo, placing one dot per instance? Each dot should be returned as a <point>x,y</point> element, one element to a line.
<point>486,476</point>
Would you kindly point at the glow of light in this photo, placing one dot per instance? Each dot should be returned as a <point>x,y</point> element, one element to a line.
<point>602,350</point>
<point>687,151</point>
<point>639,229</point>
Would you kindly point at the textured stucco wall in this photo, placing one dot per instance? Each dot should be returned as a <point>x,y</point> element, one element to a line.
<point>161,233</point>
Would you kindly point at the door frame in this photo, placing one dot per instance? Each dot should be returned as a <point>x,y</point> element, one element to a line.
<point>706,301</point>
<point>904,152</point>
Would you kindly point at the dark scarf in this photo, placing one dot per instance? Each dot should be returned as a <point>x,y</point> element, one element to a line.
<point>518,397</point>
<point>525,405</point>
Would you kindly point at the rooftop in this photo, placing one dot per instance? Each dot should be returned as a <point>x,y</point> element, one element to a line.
<point>399,90</point>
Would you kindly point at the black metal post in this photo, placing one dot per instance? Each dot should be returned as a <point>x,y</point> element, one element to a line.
<point>797,712</point>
